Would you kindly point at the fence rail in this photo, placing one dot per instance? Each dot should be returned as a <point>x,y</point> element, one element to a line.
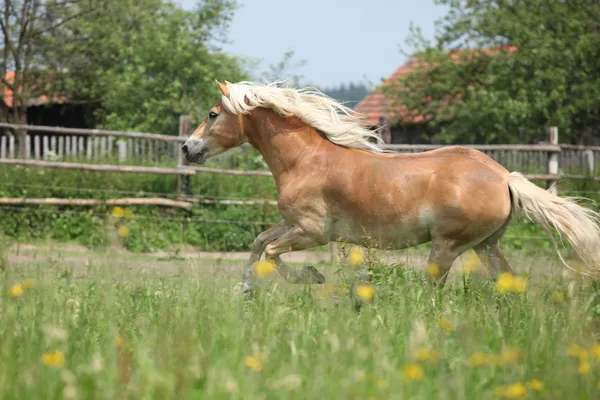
<point>52,147</point>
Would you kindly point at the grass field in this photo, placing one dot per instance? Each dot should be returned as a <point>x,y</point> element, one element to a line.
<point>84,325</point>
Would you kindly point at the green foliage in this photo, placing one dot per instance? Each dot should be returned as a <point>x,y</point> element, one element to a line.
<point>139,327</point>
<point>154,62</point>
<point>505,96</point>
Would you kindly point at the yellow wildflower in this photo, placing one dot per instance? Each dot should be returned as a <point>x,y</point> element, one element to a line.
<point>479,359</point>
<point>356,256</point>
<point>507,282</point>
<point>576,350</point>
<point>256,362</point>
<point>16,290</point>
<point>557,297</point>
<point>515,391</point>
<point>119,341</point>
<point>433,270</point>
<point>123,231</point>
<point>446,325</point>
<point>54,358</point>
<point>427,354</point>
<point>472,263</point>
<point>264,268</point>
<point>583,368</point>
<point>383,383</point>
<point>117,212</point>
<point>509,356</point>
<point>536,384</point>
<point>28,284</point>
<point>365,292</point>
<point>595,350</point>
<point>413,372</point>
<point>127,214</point>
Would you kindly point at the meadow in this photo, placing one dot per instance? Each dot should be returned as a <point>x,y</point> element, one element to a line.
<point>81,324</point>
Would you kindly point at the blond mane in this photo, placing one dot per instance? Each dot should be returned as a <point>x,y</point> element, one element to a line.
<point>340,124</point>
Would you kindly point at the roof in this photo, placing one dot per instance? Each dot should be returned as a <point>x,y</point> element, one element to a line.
<point>8,95</point>
<point>376,105</point>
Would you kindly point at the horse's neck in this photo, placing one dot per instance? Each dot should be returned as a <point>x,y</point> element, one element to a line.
<point>285,144</point>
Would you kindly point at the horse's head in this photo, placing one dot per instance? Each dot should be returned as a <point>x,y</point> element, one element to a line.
<point>219,132</point>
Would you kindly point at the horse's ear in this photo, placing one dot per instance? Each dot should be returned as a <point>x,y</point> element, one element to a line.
<point>227,83</point>
<point>223,88</point>
<point>246,100</point>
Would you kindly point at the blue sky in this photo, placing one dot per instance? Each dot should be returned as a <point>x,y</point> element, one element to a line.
<point>342,41</point>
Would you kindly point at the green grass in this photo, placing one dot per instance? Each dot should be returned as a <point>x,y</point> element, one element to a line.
<point>186,334</point>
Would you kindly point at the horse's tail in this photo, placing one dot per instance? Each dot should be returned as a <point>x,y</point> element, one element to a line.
<point>580,225</point>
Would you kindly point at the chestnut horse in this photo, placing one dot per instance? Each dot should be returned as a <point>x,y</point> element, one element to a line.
<point>334,182</point>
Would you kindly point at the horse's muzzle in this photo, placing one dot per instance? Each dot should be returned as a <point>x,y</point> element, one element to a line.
<point>195,150</point>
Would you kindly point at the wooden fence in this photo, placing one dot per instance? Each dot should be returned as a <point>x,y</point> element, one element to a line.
<point>54,147</point>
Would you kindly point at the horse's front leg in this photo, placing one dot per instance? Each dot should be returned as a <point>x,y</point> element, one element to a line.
<point>258,247</point>
<point>293,240</point>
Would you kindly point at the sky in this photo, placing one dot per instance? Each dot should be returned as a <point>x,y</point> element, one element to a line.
<point>341,40</point>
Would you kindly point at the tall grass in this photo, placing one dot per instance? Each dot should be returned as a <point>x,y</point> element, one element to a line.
<point>177,330</point>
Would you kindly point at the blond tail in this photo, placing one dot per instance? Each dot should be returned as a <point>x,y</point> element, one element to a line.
<point>579,225</point>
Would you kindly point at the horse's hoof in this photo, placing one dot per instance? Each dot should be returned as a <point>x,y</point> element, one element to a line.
<point>311,275</point>
<point>242,288</point>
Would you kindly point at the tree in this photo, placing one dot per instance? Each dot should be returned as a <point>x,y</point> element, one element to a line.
<point>154,64</point>
<point>503,70</point>
<point>32,33</point>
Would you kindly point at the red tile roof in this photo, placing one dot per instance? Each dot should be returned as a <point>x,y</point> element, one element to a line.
<point>8,95</point>
<point>376,104</point>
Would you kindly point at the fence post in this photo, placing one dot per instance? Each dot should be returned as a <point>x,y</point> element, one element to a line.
<point>552,168</point>
<point>588,156</point>
<point>386,133</point>
<point>185,130</point>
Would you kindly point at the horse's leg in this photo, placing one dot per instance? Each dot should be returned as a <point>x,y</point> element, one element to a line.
<point>492,257</point>
<point>489,252</point>
<point>258,247</point>
<point>293,240</point>
<point>440,260</point>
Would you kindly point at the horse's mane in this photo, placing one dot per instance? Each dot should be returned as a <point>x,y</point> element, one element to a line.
<point>340,124</point>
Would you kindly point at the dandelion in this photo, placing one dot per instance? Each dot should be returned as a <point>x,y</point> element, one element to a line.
<point>117,212</point>
<point>256,362</point>
<point>54,358</point>
<point>365,292</point>
<point>383,384</point>
<point>472,263</point>
<point>413,372</point>
<point>557,297</point>
<point>536,385</point>
<point>507,282</point>
<point>17,290</point>
<point>576,350</point>
<point>119,341</point>
<point>480,359</point>
<point>264,268</point>
<point>595,350</point>
<point>356,256</point>
<point>509,356</point>
<point>28,284</point>
<point>123,231</point>
<point>583,368</point>
<point>424,354</point>
<point>433,270</point>
<point>446,325</point>
<point>127,214</point>
<point>515,391</point>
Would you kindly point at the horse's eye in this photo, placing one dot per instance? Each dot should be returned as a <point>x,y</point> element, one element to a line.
<point>212,115</point>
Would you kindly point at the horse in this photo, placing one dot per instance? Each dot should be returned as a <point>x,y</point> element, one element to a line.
<point>336,182</point>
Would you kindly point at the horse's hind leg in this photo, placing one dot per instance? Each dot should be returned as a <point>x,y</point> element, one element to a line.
<point>492,257</point>
<point>490,254</point>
